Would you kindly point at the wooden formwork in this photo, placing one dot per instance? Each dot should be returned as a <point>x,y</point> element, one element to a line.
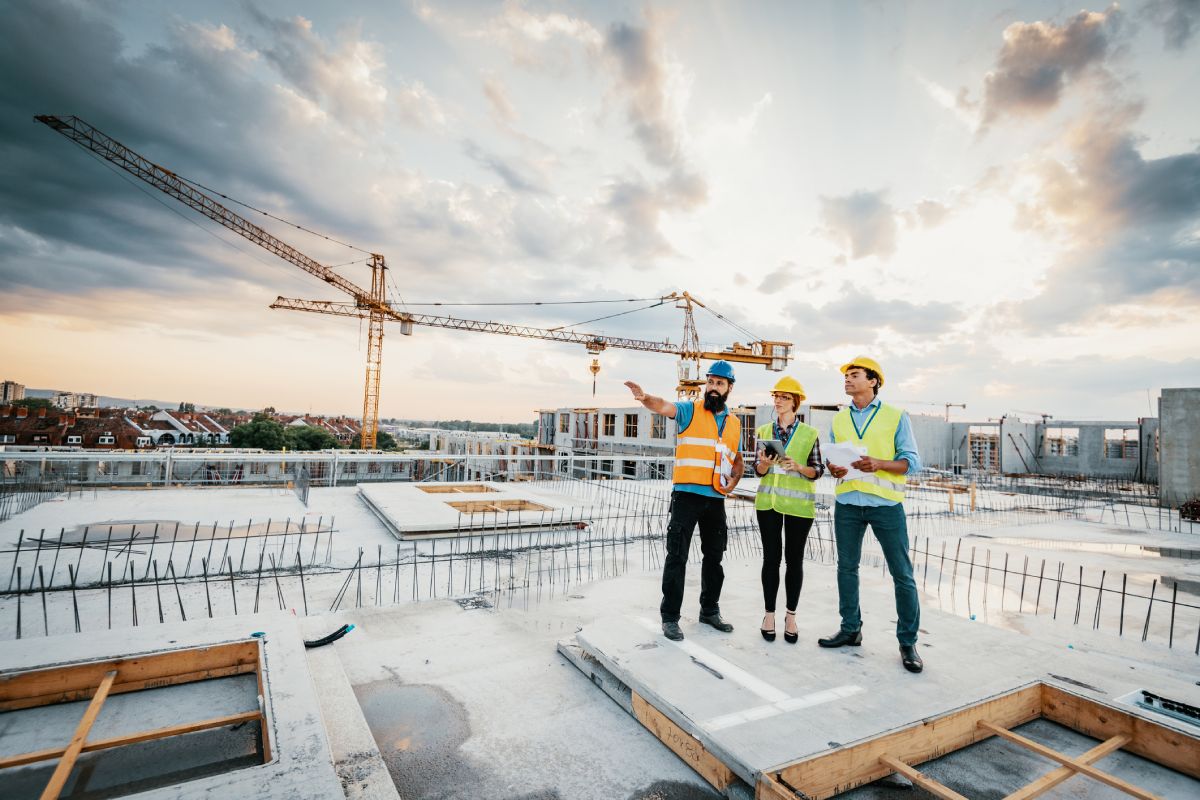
<point>96,680</point>
<point>845,768</point>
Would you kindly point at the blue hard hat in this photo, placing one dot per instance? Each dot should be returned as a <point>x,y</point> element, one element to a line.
<point>722,369</point>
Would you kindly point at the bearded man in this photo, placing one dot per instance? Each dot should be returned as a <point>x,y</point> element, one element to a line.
<point>708,465</point>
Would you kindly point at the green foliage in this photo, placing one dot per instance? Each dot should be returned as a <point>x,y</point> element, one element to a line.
<point>383,441</point>
<point>34,403</point>
<point>188,408</point>
<point>262,432</point>
<point>308,438</point>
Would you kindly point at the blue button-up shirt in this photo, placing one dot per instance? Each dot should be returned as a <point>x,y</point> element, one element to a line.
<point>906,449</point>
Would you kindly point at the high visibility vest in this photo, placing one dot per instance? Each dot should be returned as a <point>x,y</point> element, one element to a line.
<point>879,436</point>
<point>701,448</point>
<point>788,492</point>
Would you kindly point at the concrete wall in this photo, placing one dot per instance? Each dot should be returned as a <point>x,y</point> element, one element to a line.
<point>1091,459</point>
<point>1179,445</point>
<point>1019,445</point>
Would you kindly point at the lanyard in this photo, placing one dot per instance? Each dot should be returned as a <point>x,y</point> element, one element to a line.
<point>779,432</point>
<point>863,432</point>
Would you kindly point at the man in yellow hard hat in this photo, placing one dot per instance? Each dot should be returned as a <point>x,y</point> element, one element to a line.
<point>876,499</point>
<point>708,465</point>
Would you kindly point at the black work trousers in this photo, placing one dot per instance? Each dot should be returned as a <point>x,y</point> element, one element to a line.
<point>783,536</point>
<point>687,511</point>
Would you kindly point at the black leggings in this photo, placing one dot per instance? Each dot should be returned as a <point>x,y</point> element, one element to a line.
<point>772,526</point>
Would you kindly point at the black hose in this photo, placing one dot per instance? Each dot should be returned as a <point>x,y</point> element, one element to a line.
<point>331,638</point>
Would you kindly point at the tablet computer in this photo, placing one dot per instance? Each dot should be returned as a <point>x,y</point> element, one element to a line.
<point>773,447</point>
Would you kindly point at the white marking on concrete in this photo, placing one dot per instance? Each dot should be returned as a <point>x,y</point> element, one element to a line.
<point>781,707</point>
<point>727,669</point>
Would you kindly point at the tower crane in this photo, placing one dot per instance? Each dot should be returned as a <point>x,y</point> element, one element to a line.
<point>373,304</point>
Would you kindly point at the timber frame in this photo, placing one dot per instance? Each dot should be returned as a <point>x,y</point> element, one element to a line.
<point>96,680</point>
<point>831,773</point>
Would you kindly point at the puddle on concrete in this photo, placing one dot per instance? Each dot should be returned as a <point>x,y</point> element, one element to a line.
<point>419,730</point>
<point>675,790</point>
<point>1115,548</point>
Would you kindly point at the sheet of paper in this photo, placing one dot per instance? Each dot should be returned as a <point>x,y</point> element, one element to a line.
<point>843,454</point>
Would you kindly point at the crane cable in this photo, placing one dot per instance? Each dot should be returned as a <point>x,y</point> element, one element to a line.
<point>269,214</point>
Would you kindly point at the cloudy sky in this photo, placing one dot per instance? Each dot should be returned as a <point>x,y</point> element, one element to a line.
<point>999,202</point>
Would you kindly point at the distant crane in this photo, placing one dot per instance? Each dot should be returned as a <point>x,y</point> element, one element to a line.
<point>373,304</point>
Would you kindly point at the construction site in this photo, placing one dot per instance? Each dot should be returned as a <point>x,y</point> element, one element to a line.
<point>477,619</point>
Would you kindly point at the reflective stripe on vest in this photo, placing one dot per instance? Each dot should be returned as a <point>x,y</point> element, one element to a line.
<point>696,448</point>
<point>788,492</point>
<point>880,441</point>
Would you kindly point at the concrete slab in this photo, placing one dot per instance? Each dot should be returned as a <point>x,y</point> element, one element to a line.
<point>758,706</point>
<point>425,510</point>
<point>300,766</point>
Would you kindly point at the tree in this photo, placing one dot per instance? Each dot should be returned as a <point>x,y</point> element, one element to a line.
<point>34,404</point>
<point>383,441</point>
<point>265,433</point>
<point>189,408</point>
<point>307,437</point>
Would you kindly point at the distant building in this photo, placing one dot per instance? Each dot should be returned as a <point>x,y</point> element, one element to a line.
<point>69,400</point>
<point>11,391</point>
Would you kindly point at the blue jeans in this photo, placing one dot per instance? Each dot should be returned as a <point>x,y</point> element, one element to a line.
<point>888,524</point>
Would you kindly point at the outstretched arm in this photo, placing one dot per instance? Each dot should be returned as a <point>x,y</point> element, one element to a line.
<point>655,404</point>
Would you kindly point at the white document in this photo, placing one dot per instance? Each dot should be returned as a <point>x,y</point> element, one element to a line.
<point>843,454</point>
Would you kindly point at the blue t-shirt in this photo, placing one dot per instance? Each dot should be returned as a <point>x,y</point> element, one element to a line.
<point>683,418</point>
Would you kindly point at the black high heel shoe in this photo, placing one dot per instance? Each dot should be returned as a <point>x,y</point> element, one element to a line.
<point>769,635</point>
<point>790,638</point>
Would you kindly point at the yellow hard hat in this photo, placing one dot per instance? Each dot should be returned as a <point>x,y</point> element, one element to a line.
<point>867,363</point>
<point>789,385</point>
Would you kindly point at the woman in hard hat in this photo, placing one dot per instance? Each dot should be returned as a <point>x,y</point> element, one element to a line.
<point>785,503</point>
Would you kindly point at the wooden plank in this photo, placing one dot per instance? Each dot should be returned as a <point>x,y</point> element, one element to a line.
<point>854,765</point>
<point>682,744</point>
<point>1162,745</point>
<point>131,738</point>
<point>65,684</point>
<point>921,779</point>
<point>1052,779</point>
<point>266,719</point>
<point>65,764</point>
<point>1069,762</point>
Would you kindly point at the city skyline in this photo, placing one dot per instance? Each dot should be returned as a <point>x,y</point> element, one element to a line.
<point>1000,204</point>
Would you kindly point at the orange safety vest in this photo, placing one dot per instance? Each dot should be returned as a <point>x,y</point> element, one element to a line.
<point>696,452</point>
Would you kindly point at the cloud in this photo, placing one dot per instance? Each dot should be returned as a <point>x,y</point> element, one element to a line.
<point>347,78</point>
<point>862,222</point>
<point>1130,226</point>
<point>1038,60</point>
<point>932,213</point>
<point>1179,20</point>
<point>497,96</point>
<point>779,278</point>
<point>518,174</point>
<point>863,320</point>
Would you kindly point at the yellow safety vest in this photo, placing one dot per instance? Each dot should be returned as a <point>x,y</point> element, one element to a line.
<point>696,451</point>
<point>879,436</point>
<point>788,492</point>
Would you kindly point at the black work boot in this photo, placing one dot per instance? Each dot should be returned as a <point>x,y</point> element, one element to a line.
<point>671,631</point>
<point>912,661</point>
<point>715,620</point>
<point>842,639</point>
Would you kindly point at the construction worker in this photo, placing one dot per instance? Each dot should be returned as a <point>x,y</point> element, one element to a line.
<point>786,502</point>
<point>875,499</point>
<point>708,465</point>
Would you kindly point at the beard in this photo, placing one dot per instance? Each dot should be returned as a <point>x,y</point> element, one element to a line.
<point>714,401</point>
